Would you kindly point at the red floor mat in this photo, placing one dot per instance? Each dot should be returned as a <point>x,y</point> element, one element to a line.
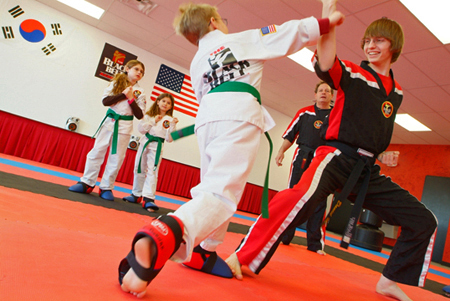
<point>53,249</point>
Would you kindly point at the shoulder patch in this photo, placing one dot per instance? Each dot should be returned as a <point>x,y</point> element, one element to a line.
<point>268,29</point>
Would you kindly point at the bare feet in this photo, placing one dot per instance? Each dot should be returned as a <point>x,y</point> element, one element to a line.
<point>320,252</point>
<point>389,288</point>
<point>235,266</point>
<point>131,283</point>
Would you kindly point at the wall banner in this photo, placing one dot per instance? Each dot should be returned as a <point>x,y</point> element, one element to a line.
<point>112,61</point>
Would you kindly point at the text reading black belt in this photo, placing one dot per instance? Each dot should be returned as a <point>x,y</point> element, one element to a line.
<point>365,160</point>
<point>112,114</point>
<point>238,87</point>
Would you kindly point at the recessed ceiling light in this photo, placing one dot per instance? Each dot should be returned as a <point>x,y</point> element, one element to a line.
<point>85,7</point>
<point>433,14</point>
<point>409,123</point>
<point>303,57</point>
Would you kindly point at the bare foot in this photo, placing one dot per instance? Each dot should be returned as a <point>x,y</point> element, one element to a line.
<point>320,252</point>
<point>235,266</point>
<point>389,288</point>
<point>131,283</point>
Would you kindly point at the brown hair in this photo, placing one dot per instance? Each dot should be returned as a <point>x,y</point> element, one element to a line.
<point>154,109</point>
<point>389,29</point>
<point>121,81</point>
<point>321,83</point>
<point>193,21</point>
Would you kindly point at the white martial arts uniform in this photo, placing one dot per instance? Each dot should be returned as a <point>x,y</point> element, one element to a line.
<point>229,124</point>
<point>144,183</point>
<point>97,155</point>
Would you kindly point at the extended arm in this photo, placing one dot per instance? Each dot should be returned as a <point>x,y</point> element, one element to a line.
<point>326,46</point>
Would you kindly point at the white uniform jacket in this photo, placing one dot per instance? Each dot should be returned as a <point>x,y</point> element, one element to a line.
<point>240,57</point>
<point>123,108</point>
<point>161,129</point>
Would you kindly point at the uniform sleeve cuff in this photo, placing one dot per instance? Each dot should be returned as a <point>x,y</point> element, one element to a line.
<point>324,26</point>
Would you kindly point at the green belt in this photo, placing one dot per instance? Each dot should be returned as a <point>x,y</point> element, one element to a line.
<point>110,113</point>
<point>158,149</point>
<point>239,87</point>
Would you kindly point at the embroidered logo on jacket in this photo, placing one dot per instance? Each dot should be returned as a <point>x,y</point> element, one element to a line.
<point>136,94</point>
<point>166,124</point>
<point>318,124</point>
<point>387,109</point>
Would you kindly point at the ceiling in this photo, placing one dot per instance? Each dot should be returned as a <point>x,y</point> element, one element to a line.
<point>422,70</point>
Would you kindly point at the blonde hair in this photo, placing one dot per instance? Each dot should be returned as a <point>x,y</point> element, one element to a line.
<point>389,29</point>
<point>154,109</point>
<point>121,81</point>
<point>193,21</point>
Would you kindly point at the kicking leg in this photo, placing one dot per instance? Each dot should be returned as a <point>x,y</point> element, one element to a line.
<point>152,246</point>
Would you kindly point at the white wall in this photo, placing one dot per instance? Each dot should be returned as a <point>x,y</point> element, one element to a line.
<point>52,88</point>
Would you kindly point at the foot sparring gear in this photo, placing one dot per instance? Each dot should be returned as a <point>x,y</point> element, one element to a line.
<point>209,262</point>
<point>106,195</point>
<point>166,234</point>
<point>446,290</point>
<point>81,188</point>
<point>133,199</point>
<point>149,205</point>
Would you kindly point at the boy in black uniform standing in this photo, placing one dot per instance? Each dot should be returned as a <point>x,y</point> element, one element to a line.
<point>358,131</point>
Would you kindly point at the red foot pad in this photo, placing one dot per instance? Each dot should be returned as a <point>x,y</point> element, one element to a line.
<point>166,233</point>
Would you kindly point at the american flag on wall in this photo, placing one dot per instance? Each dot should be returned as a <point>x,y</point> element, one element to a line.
<point>179,85</point>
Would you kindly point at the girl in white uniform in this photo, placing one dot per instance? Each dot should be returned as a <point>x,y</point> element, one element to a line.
<point>156,127</point>
<point>125,99</point>
<point>228,127</point>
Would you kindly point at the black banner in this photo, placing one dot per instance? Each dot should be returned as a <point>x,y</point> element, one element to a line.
<point>112,61</point>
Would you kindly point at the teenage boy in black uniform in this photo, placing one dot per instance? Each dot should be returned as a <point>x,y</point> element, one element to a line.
<point>358,131</point>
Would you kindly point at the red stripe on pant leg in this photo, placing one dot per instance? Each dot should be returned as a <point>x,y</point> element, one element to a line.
<point>283,208</point>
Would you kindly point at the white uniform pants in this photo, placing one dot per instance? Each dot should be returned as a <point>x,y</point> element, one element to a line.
<point>144,183</point>
<point>228,150</point>
<point>97,155</point>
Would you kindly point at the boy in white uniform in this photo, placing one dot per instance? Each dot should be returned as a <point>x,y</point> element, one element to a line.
<point>228,126</point>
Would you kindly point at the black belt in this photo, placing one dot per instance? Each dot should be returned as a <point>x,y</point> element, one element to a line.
<point>365,160</point>
<point>307,155</point>
<point>306,149</point>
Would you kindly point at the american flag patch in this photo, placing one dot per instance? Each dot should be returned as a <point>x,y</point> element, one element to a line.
<point>268,29</point>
